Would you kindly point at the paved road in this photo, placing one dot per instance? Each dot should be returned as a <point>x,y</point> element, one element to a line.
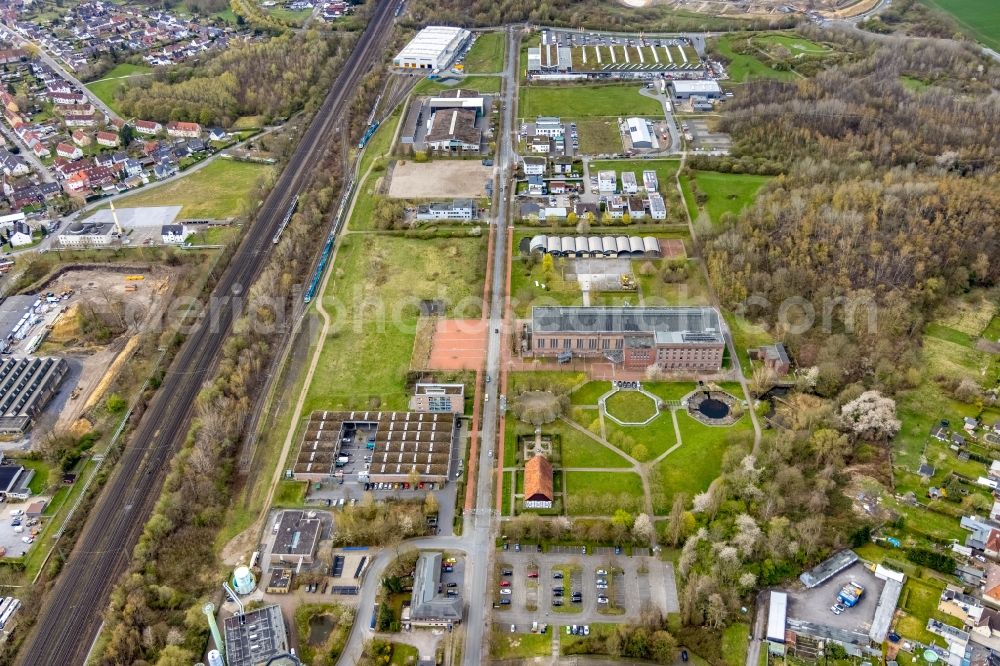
<point>71,613</point>
<point>61,71</point>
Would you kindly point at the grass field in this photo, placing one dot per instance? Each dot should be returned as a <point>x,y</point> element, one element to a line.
<point>296,17</point>
<point>692,467</point>
<point>486,54</point>
<point>669,390</point>
<point>484,84</point>
<point>626,485</point>
<point>373,296</point>
<point>919,601</point>
<point>793,43</point>
<point>214,236</point>
<point>586,101</point>
<point>743,68</point>
<point>725,192</point>
<point>643,442</point>
<point>979,18</point>
<point>108,85</point>
<point>216,191</point>
<point>520,646</point>
<point>599,137</point>
<point>630,406</point>
<point>665,170</point>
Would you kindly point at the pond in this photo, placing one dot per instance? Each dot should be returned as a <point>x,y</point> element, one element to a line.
<point>713,408</point>
<point>320,628</point>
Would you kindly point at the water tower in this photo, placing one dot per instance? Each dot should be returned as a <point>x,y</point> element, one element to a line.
<point>244,581</point>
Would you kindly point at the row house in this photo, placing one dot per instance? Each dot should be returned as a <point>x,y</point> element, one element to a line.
<point>65,168</point>
<point>183,130</point>
<point>81,121</point>
<point>71,110</point>
<point>68,98</point>
<point>9,102</point>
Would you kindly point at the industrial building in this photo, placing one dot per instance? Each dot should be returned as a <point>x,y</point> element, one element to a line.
<point>296,539</point>
<point>26,386</point>
<point>538,483</point>
<point>454,129</point>
<point>685,89</point>
<point>87,234</point>
<point>14,480</point>
<point>397,442</point>
<point>428,607</point>
<point>459,98</point>
<point>684,339</point>
<point>442,398</point>
<point>638,132</point>
<point>255,637</point>
<point>433,48</point>
<point>551,61</point>
<point>462,210</point>
<point>637,247</point>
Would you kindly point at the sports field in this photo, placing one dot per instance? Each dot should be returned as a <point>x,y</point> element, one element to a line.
<point>486,54</point>
<point>586,101</point>
<point>215,192</point>
<point>108,85</point>
<point>979,18</point>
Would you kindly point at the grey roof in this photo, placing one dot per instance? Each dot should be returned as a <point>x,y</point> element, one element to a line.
<point>427,603</point>
<point>695,324</point>
<point>777,615</point>
<point>828,568</point>
<point>257,639</point>
<point>885,609</point>
<point>297,535</point>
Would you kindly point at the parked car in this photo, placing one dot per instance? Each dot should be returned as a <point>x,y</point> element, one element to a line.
<point>505,583</point>
<point>505,602</point>
<point>504,591</point>
<point>507,572</point>
<point>557,574</point>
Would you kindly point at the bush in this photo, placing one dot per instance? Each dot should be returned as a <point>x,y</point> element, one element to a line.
<point>933,560</point>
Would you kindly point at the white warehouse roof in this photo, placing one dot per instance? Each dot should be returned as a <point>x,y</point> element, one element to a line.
<point>777,614</point>
<point>638,130</point>
<point>696,87</point>
<point>434,46</point>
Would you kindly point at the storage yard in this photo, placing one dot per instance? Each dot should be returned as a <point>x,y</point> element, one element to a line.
<point>459,178</point>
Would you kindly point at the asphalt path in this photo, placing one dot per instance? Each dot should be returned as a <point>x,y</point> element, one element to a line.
<point>71,614</point>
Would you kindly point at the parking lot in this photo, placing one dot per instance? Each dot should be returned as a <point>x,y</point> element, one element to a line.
<point>814,605</point>
<point>15,529</point>
<point>705,140</point>
<point>573,588</point>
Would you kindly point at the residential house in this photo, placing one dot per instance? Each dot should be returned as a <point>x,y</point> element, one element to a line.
<point>148,127</point>
<point>607,182</point>
<point>13,165</point>
<point>959,605</point>
<point>940,432</point>
<point>991,587</point>
<point>81,121</point>
<point>562,165</point>
<point>556,186</point>
<point>216,134</point>
<point>636,211</point>
<point>650,182</point>
<point>81,138</point>
<point>540,144</point>
<point>533,166</point>
<point>68,151</point>
<point>657,208</point>
<point>984,624</point>
<point>995,469</point>
<point>616,207</point>
<point>969,424</point>
<point>629,184</point>
<point>586,211</point>
<point>78,182</point>
<point>174,234</point>
<point>40,150</point>
<point>536,185</point>
<point>183,130</point>
<point>108,139</point>
<point>20,235</point>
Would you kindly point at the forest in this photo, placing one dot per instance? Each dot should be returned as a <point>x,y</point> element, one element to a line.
<point>273,78</point>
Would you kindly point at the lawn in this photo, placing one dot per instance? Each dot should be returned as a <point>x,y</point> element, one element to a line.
<point>697,462</point>
<point>643,442</point>
<point>589,393</point>
<point>630,406</point>
<point>669,390</point>
<point>920,599</point>
<point>292,17</point>
<point>980,18</point>
<point>373,298</point>
<point>579,450</point>
<point>743,68</point>
<point>691,291</point>
<point>486,54</point>
<point>291,493</point>
<point>601,493</point>
<point>726,192</point>
<point>557,291</point>
<point>913,84</point>
<point>947,334</point>
<point>106,88</point>
<point>214,235</point>
<point>735,640</point>
<point>599,137</point>
<point>586,101</point>
<point>992,331</point>
<point>484,84</point>
<point>216,191</point>
<point>746,335</point>
<point>793,43</point>
<point>520,646</point>
<point>403,654</point>
<point>665,169</point>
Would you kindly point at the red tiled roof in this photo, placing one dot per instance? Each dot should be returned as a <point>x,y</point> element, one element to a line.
<point>538,479</point>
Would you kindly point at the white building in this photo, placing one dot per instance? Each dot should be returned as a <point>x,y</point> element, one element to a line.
<point>607,182</point>
<point>174,234</point>
<point>534,166</point>
<point>657,209</point>
<point>459,209</point>
<point>629,184</point>
<point>550,126</point>
<point>650,182</point>
<point>20,234</point>
<point>684,89</point>
<point>638,131</point>
<point>83,234</point>
<point>540,144</point>
<point>433,48</point>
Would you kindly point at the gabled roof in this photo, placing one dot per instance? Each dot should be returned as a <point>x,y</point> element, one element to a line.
<point>538,479</point>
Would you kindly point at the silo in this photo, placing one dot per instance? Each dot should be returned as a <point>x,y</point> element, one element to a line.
<point>215,658</point>
<point>243,581</point>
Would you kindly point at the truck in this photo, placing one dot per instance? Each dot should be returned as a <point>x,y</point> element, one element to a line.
<point>342,460</point>
<point>851,594</point>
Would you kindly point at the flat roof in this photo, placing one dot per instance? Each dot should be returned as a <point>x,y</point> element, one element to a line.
<point>777,614</point>
<point>828,568</point>
<point>690,321</point>
<point>297,535</point>
<point>257,639</point>
<point>11,311</point>
<point>432,42</point>
<point>695,86</point>
<point>885,610</point>
<point>146,216</point>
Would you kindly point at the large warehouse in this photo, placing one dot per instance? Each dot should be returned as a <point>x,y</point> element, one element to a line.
<point>684,89</point>
<point>638,131</point>
<point>433,48</point>
<point>455,130</point>
<point>26,386</point>
<point>682,339</point>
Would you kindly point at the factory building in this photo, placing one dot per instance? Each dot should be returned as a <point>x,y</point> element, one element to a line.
<point>679,339</point>
<point>433,48</point>
<point>454,129</point>
<point>84,234</point>
<point>685,89</point>
<point>638,131</point>
<point>26,386</point>
<point>462,210</point>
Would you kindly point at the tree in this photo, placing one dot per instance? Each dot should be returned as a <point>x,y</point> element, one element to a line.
<point>830,447</point>
<point>175,655</point>
<point>643,528</point>
<point>622,519</point>
<point>967,391</point>
<point>871,415</point>
<point>548,266</point>
<point>413,477</point>
<point>430,504</point>
<point>675,523</point>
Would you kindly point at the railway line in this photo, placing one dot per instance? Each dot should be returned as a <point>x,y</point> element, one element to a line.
<point>71,614</point>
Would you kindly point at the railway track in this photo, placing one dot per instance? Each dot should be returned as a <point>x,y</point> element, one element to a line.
<point>71,615</point>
